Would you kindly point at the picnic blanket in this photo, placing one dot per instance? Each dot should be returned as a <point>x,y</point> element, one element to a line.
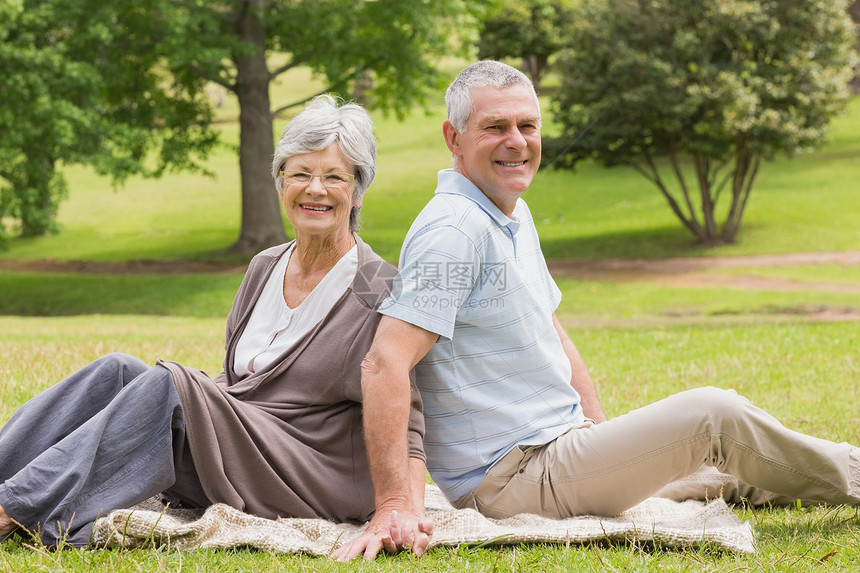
<point>662,522</point>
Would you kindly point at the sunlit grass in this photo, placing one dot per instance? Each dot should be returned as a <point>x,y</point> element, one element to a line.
<point>809,203</point>
<point>808,375</point>
<point>609,300</point>
<point>835,273</point>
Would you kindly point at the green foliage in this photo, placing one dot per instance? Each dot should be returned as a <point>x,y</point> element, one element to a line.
<point>82,85</point>
<point>400,42</point>
<point>533,30</point>
<point>109,84</point>
<point>713,87</point>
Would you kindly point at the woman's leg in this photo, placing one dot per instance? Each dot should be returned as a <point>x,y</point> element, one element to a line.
<point>607,468</point>
<point>7,525</point>
<point>123,454</point>
<point>55,413</point>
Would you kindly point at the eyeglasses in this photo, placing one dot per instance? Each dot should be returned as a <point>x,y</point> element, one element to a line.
<point>329,180</point>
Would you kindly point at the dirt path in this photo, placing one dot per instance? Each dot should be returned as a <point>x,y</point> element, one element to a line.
<point>680,271</point>
<point>686,271</point>
<point>661,270</point>
<point>689,271</point>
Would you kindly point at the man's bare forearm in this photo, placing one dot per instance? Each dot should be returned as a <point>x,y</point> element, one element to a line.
<point>417,484</point>
<point>386,405</point>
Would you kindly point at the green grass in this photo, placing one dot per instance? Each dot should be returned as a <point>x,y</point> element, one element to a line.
<point>807,374</point>
<point>38,352</point>
<point>814,535</point>
<point>68,294</point>
<point>833,273</point>
<point>809,203</point>
<point>609,301</point>
<point>642,340</point>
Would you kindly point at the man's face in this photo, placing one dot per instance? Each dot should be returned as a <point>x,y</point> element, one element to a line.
<point>500,149</point>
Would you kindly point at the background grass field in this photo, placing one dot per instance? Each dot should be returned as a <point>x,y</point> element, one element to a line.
<point>808,203</point>
<point>642,340</point>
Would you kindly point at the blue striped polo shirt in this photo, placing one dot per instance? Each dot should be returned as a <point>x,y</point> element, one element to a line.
<point>498,376</point>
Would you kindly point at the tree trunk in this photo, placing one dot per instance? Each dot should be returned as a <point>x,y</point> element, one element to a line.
<point>363,84</point>
<point>533,67</point>
<point>38,203</point>
<point>702,166</point>
<point>262,225</point>
<point>746,170</point>
<point>35,212</point>
<point>854,12</point>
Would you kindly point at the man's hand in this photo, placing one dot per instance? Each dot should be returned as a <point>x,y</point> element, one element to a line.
<point>392,531</point>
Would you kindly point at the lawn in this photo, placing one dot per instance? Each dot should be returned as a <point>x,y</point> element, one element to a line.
<point>804,373</point>
<point>642,340</point>
<point>808,203</point>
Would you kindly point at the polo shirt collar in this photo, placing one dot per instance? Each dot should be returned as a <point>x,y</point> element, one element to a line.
<point>453,183</point>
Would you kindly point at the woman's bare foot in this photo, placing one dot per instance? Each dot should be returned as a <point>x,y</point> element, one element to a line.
<point>7,525</point>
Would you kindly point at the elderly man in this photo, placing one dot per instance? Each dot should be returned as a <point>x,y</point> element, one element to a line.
<point>513,421</point>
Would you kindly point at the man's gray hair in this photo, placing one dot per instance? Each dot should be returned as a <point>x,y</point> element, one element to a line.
<point>322,123</point>
<point>458,96</point>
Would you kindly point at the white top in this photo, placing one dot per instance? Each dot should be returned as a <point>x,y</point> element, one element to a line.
<point>498,376</point>
<point>274,326</point>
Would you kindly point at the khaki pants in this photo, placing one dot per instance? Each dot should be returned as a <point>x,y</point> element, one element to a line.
<point>698,444</point>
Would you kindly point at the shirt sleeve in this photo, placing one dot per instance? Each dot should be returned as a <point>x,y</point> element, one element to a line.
<point>553,292</point>
<point>439,267</point>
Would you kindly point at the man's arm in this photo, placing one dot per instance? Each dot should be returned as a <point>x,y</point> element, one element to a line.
<point>402,536</point>
<point>386,398</point>
<point>580,378</point>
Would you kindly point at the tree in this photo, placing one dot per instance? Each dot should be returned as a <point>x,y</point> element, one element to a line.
<point>713,86</point>
<point>532,30</point>
<point>64,98</point>
<point>242,45</point>
<point>854,12</point>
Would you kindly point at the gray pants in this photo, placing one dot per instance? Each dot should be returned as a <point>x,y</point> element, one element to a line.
<point>107,437</point>
<point>699,444</point>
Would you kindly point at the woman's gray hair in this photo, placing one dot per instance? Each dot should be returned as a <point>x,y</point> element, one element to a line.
<point>322,123</point>
<point>458,96</point>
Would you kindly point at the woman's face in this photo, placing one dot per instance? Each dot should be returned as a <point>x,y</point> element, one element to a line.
<point>314,207</point>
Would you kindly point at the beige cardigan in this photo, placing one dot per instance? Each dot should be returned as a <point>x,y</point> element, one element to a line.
<point>287,441</point>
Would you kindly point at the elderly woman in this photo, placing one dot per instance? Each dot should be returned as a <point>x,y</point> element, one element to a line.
<point>279,431</point>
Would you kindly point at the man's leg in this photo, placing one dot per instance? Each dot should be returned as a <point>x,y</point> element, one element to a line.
<point>120,456</point>
<point>607,468</point>
<point>708,483</point>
